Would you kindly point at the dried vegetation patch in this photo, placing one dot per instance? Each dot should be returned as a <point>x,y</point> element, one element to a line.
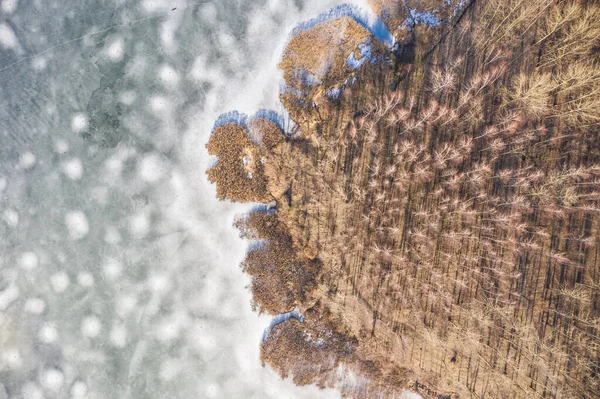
<point>439,222</point>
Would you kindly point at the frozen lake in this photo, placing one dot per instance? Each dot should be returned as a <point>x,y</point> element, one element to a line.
<point>119,270</point>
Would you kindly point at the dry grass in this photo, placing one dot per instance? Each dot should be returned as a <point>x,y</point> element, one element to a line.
<point>440,229</point>
<point>322,51</point>
<point>238,157</point>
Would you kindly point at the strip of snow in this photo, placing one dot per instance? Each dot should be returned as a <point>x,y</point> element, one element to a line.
<point>8,39</point>
<point>280,319</point>
<point>231,117</point>
<point>212,161</point>
<point>253,245</point>
<point>281,119</point>
<point>8,296</point>
<point>363,16</point>
<point>269,208</point>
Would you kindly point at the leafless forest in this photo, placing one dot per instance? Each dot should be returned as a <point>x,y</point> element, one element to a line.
<point>438,221</point>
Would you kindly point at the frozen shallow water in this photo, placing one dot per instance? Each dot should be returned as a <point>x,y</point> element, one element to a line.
<point>119,270</point>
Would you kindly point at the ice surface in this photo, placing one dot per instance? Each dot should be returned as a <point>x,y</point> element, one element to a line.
<point>119,275</point>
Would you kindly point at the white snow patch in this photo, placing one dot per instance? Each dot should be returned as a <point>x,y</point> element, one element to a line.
<point>159,283</point>
<point>27,160</point>
<point>200,72</point>
<point>112,269</point>
<point>8,40</point>
<point>203,340</point>
<point>30,390</point>
<point>10,217</point>
<point>152,168</point>
<point>48,333</point>
<point>79,390</point>
<point>8,296</point>
<point>35,306</point>
<point>85,279</point>
<point>169,369</point>
<point>52,379</point>
<point>28,261</point>
<point>167,34</point>
<point>39,63</point>
<point>168,76</point>
<point>208,12</point>
<point>167,330</point>
<point>159,104</point>
<point>91,326</point>
<point>212,391</point>
<point>127,97</point>
<point>115,49</point>
<point>114,167</point>
<point>118,336</point>
<point>79,122</point>
<point>11,357</point>
<point>60,281</point>
<point>73,168</point>
<point>112,235</point>
<point>139,225</point>
<point>125,304</point>
<point>161,5</point>
<point>77,224</point>
<point>9,6</point>
<point>61,146</point>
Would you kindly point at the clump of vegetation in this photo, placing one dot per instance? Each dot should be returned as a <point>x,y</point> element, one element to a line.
<point>280,278</point>
<point>239,168</point>
<point>439,221</point>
